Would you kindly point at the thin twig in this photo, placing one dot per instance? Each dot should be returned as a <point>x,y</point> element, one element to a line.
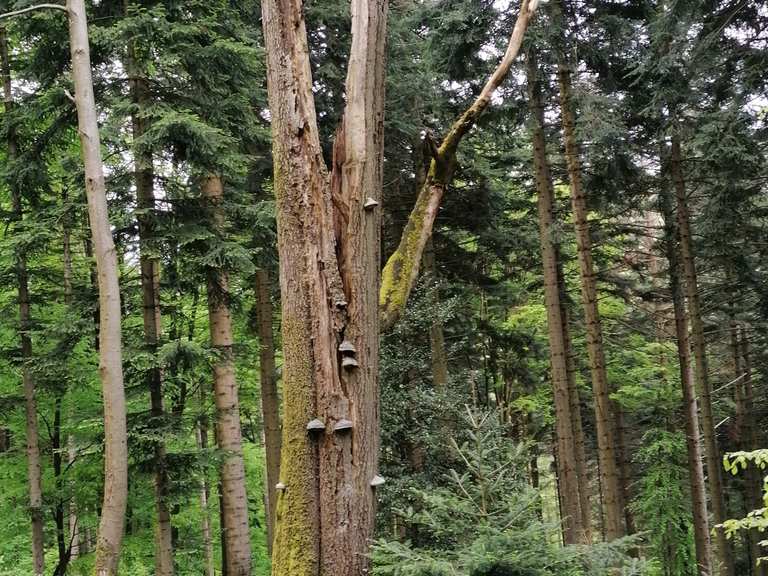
<point>31,8</point>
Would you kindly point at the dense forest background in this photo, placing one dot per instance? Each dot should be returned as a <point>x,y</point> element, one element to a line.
<point>578,382</point>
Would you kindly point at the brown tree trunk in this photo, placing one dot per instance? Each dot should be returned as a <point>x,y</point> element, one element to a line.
<point>22,281</point>
<point>753,482</point>
<point>110,341</point>
<point>436,336</point>
<point>150,296</point>
<point>582,474</point>
<point>205,520</point>
<point>714,462</point>
<point>74,536</point>
<point>625,471</point>
<point>574,530</point>
<point>606,443</point>
<point>695,468</point>
<point>270,401</point>
<point>234,500</point>
<point>328,240</point>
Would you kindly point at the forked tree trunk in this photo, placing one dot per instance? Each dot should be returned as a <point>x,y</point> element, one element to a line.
<point>236,534</point>
<point>328,240</point>
<point>270,401</point>
<point>606,442</point>
<point>714,462</point>
<point>567,454</point>
<point>150,297</point>
<point>22,286</point>
<point>110,341</point>
<point>690,408</point>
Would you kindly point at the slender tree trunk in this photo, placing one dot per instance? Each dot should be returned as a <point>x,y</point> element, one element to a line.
<point>110,342</point>
<point>234,500</point>
<point>695,468</point>
<point>606,443</point>
<point>714,462</point>
<point>436,336</point>
<point>58,513</point>
<point>582,473</point>
<point>74,536</point>
<point>205,520</point>
<point>574,530</point>
<point>22,280</point>
<point>754,477</point>
<point>625,471</point>
<point>270,401</point>
<point>150,296</point>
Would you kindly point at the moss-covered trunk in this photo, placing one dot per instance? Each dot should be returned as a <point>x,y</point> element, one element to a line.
<point>328,241</point>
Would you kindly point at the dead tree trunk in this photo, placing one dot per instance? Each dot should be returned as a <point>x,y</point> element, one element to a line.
<point>328,240</point>
<point>110,341</point>
<point>22,286</point>
<point>402,267</point>
<point>714,462</point>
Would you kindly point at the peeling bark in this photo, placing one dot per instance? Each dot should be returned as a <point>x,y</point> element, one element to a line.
<point>329,259</point>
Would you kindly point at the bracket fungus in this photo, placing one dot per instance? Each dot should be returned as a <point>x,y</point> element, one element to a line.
<point>347,347</point>
<point>315,425</point>
<point>377,481</point>
<point>343,425</point>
